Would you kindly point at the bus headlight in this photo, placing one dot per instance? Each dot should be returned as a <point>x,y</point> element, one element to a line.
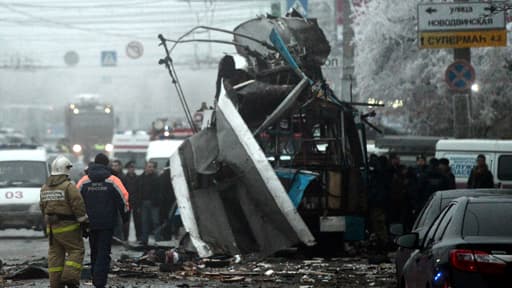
<point>77,148</point>
<point>108,110</point>
<point>109,147</point>
<point>76,111</point>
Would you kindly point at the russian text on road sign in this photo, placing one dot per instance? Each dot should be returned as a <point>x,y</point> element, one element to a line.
<point>463,39</point>
<point>460,16</point>
<point>460,75</point>
<point>108,58</point>
<point>134,49</point>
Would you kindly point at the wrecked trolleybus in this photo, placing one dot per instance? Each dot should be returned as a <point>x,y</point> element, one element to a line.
<point>280,161</point>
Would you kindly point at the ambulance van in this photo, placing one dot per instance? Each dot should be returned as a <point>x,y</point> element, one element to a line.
<point>23,170</point>
<point>131,146</point>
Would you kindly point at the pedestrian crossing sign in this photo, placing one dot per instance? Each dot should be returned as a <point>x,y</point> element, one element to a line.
<point>108,58</point>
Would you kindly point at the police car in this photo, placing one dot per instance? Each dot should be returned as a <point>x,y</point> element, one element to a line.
<point>23,170</point>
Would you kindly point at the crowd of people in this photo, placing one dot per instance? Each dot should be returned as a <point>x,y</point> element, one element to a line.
<point>397,193</point>
<point>99,207</point>
<point>152,202</point>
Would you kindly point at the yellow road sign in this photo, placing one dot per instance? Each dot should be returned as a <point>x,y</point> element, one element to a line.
<point>463,39</point>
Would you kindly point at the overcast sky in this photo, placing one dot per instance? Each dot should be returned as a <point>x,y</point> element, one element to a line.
<point>40,32</point>
<point>46,29</point>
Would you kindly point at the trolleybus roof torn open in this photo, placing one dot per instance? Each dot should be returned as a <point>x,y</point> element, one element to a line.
<point>232,200</point>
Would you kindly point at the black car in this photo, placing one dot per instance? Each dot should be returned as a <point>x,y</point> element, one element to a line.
<point>430,211</point>
<point>468,245</point>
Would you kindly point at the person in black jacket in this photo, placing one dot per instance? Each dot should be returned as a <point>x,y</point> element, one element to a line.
<point>378,200</point>
<point>104,199</point>
<point>435,181</point>
<point>169,218</point>
<point>480,176</point>
<point>131,185</point>
<point>148,190</point>
<point>444,166</point>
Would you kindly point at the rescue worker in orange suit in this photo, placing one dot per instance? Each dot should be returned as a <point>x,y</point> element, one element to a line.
<point>104,196</point>
<point>64,212</point>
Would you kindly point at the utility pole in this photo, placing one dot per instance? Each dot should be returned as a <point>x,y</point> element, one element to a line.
<point>462,126</point>
<point>462,101</point>
<point>348,52</point>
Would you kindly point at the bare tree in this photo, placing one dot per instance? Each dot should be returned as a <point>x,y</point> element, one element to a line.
<point>389,65</point>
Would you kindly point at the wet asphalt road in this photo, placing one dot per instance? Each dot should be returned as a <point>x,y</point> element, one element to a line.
<point>24,246</point>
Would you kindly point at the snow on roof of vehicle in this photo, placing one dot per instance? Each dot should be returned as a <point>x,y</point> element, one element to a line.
<point>372,149</point>
<point>88,97</point>
<point>22,154</point>
<point>471,145</point>
<point>130,141</point>
<point>162,148</point>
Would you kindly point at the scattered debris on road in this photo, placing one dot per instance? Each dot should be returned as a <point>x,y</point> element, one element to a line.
<point>28,272</point>
<point>180,268</point>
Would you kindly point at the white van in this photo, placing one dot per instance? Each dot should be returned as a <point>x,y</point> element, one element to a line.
<point>131,146</point>
<point>462,154</point>
<point>22,173</point>
<point>159,151</point>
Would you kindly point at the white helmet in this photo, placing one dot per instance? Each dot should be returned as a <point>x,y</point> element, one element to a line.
<point>61,166</point>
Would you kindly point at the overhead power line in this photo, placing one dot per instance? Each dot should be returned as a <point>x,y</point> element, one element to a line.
<point>69,26</point>
<point>89,5</point>
<point>136,21</point>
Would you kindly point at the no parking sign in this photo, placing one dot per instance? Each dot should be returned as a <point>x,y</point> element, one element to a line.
<point>460,75</point>
<point>134,49</point>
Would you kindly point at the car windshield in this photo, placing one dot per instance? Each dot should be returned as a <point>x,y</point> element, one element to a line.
<point>22,173</point>
<point>488,219</point>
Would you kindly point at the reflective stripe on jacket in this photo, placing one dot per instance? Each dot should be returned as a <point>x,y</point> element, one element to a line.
<point>105,197</point>
<point>67,263</point>
<point>60,197</point>
<point>63,229</point>
<point>118,185</point>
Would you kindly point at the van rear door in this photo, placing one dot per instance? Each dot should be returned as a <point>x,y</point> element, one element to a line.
<point>503,173</point>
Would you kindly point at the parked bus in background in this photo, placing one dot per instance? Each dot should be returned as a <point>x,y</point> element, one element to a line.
<point>89,126</point>
<point>462,154</point>
<point>131,146</point>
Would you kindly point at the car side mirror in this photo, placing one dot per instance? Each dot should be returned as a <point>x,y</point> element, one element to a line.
<point>396,229</point>
<point>409,240</point>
